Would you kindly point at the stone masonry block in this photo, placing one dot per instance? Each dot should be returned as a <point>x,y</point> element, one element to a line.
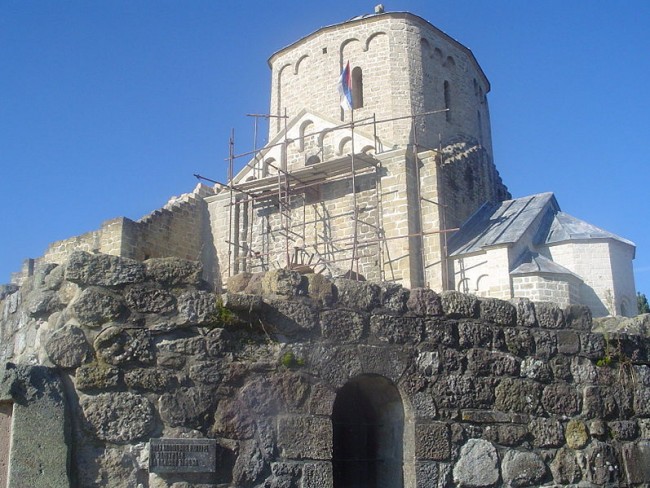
<point>432,441</point>
<point>305,437</point>
<point>636,460</point>
<point>498,311</point>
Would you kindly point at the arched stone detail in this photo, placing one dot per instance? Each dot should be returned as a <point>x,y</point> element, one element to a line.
<point>368,422</point>
<point>267,170</point>
<point>481,283</point>
<point>326,144</point>
<point>343,143</point>
<point>463,285</point>
<point>278,109</point>
<point>304,126</point>
<point>371,38</point>
<point>427,50</point>
<point>299,62</point>
<point>343,46</point>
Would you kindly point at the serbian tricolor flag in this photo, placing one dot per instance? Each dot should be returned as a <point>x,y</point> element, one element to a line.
<point>345,88</point>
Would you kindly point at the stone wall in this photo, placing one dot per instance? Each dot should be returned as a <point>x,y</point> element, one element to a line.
<point>179,229</point>
<point>478,392</point>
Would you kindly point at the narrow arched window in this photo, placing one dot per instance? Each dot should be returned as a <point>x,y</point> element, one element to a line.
<point>447,101</point>
<point>357,88</point>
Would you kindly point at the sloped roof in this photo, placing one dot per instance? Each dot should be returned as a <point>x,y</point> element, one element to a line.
<point>534,263</point>
<point>500,223</point>
<point>568,228</point>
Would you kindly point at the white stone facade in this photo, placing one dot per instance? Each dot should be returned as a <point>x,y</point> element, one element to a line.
<point>528,248</point>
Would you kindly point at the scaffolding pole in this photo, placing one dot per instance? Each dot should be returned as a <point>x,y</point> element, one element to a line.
<point>285,191</point>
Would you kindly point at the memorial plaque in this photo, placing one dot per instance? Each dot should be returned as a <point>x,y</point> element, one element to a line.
<point>182,455</point>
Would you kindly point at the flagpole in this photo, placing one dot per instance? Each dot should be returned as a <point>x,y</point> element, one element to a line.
<point>354,201</point>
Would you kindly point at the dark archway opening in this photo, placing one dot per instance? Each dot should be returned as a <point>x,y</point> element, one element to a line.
<point>368,423</point>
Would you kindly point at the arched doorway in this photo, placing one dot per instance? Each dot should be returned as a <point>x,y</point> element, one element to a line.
<point>368,427</point>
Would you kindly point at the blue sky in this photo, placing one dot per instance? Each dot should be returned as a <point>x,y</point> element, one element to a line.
<point>107,108</point>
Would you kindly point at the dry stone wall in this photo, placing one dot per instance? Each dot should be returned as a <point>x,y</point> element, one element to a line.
<point>118,353</point>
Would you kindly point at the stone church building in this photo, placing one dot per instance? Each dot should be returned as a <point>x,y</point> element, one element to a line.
<point>402,189</point>
<point>337,314</point>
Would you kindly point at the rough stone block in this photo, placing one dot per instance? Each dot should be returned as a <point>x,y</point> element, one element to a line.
<point>545,344</point>
<point>498,311</point>
<point>576,434</point>
<point>320,289</point>
<point>431,474</point>
<point>478,464</point>
<point>290,318</point>
<point>432,441</point>
<point>565,467</point>
<point>519,341</point>
<point>517,395</point>
<point>561,399</point>
<point>242,302</point>
<point>578,317</point>
<point>599,464</point>
<point>118,417</point>
<point>174,272</point>
<point>474,334</point>
<point>592,346</point>
<point>424,302</point>
<point>535,369</point>
<point>88,269</point>
<point>384,361</point>
<point>459,305</point>
<point>441,332</point>
<point>118,346</point>
<point>396,330</point>
<point>522,469</point>
<point>623,430</point>
<point>97,376</point>
<point>317,475</point>
<point>459,391</point>
<point>196,308</point>
<point>303,437</point>
<point>549,315</point>
<point>96,306</point>
<point>186,407</point>
<point>546,432</point>
<point>336,365</point>
<point>148,299</point>
<point>343,326</point>
<point>561,368</point>
<point>481,362</point>
<point>67,347</point>
<point>568,342</point>
<point>357,295</point>
<point>525,312</point>
<point>636,460</point>
<point>283,282</point>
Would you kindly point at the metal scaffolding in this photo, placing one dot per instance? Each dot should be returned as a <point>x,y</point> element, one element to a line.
<point>254,201</point>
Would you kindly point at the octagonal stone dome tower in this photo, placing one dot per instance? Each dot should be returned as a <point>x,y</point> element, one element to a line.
<point>401,66</point>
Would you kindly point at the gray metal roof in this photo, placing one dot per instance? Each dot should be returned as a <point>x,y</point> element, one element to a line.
<point>498,224</point>
<point>501,223</point>
<point>568,228</point>
<point>534,263</point>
